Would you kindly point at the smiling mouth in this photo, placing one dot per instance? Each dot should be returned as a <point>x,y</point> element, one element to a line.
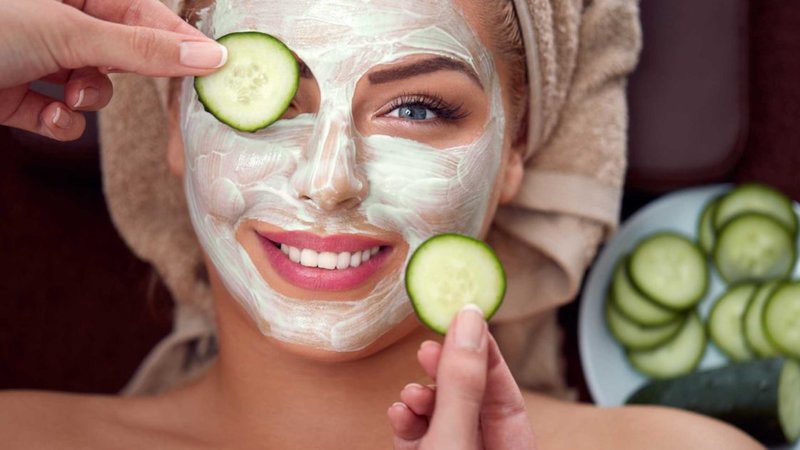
<point>332,263</point>
<point>328,260</point>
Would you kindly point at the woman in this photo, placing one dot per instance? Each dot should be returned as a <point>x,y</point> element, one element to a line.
<point>406,124</point>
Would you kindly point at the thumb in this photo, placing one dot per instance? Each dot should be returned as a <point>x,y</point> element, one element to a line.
<point>143,50</point>
<point>461,382</point>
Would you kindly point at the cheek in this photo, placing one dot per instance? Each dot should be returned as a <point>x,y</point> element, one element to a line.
<point>422,191</point>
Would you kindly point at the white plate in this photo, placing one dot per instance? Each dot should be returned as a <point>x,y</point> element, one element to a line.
<point>608,375</point>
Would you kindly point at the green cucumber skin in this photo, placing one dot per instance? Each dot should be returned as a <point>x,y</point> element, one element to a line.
<point>421,315</point>
<point>742,394</point>
<point>705,226</point>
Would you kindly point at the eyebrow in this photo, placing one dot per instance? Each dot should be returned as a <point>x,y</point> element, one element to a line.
<point>423,67</point>
<point>305,72</point>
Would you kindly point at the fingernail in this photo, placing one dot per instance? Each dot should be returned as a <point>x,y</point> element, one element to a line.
<point>61,118</point>
<point>426,344</point>
<point>416,386</point>
<point>87,97</point>
<point>203,55</point>
<point>469,328</point>
<point>399,405</point>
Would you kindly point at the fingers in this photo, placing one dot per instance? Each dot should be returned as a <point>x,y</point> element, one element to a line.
<point>39,114</point>
<point>461,382</point>
<point>148,51</point>
<point>145,13</point>
<point>408,427</point>
<point>88,90</point>
<point>420,399</point>
<point>428,356</point>
<point>504,418</point>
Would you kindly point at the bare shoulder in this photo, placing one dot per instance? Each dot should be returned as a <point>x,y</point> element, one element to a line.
<point>560,424</point>
<point>36,419</point>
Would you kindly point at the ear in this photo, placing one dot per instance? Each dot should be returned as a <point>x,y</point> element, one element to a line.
<point>512,178</point>
<point>175,160</point>
<point>515,166</point>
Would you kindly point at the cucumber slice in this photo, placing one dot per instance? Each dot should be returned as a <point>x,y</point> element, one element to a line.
<point>705,227</point>
<point>754,197</point>
<point>256,85</point>
<point>635,336</point>
<point>789,400</point>
<point>670,269</point>
<point>782,319</point>
<point>754,247</point>
<point>726,321</point>
<point>449,271</point>
<point>761,397</point>
<point>754,330</point>
<point>635,306</point>
<point>677,356</point>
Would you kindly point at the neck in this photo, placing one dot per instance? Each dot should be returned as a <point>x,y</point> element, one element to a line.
<point>292,396</point>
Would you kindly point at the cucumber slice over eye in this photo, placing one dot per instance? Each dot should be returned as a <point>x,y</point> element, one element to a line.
<point>449,271</point>
<point>256,85</point>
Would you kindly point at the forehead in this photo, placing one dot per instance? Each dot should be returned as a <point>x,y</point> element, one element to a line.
<point>356,32</point>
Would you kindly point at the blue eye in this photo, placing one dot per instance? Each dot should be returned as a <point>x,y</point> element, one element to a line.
<point>427,108</point>
<point>413,112</point>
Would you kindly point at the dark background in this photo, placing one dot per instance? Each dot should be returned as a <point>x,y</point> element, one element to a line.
<point>78,311</point>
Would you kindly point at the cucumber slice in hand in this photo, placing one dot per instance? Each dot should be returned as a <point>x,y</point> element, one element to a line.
<point>449,271</point>
<point>256,85</point>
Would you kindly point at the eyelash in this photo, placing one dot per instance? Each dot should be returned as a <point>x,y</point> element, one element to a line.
<point>444,111</point>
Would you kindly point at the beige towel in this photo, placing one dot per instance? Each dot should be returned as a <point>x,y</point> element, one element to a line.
<point>579,53</point>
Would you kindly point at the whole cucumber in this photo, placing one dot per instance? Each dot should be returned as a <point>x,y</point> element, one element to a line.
<point>760,397</point>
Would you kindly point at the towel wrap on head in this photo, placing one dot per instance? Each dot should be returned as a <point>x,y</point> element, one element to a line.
<point>579,53</point>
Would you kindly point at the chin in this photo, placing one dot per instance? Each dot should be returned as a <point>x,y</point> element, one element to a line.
<point>397,334</point>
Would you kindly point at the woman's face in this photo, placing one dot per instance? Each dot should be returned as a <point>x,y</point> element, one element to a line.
<point>398,132</point>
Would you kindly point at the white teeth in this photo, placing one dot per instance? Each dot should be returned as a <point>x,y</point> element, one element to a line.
<point>343,260</point>
<point>328,260</point>
<point>308,257</point>
<point>294,254</point>
<point>355,260</point>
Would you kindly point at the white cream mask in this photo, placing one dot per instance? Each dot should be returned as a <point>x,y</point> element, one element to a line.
<point>411,188</point>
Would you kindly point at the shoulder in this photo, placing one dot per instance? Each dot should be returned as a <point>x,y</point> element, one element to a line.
<point>559,424</point>
<point>44,420</point>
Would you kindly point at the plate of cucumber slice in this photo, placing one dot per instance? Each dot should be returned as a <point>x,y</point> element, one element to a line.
<point>699,280</point>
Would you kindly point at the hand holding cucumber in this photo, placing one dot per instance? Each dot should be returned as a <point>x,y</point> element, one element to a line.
<point>75,42</point>
<point>475,404</point>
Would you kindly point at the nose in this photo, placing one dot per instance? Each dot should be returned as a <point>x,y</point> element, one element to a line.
<point>330,177</point>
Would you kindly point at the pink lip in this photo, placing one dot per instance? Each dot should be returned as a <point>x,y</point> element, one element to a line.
<point>316,279</point>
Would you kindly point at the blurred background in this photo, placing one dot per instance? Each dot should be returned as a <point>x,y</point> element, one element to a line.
<point>716,98</point>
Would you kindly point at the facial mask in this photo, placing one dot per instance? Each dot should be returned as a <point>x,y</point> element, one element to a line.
<point>412,189</point>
